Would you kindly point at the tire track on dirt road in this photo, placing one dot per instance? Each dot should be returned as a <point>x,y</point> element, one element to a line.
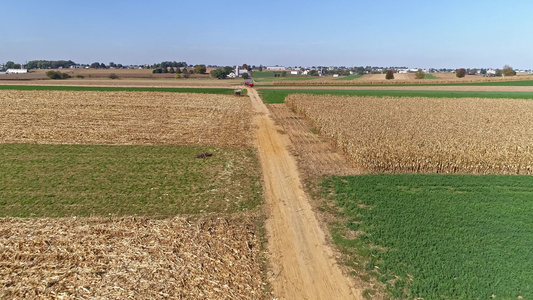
<point>302,263</point>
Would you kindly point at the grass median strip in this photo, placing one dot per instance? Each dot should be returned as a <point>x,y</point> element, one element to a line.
<point>160,181</point>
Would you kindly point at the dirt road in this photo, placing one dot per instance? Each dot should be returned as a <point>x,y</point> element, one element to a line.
<point>302,263</point>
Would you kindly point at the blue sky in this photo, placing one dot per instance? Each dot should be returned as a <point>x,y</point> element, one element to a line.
<point>412,33</point>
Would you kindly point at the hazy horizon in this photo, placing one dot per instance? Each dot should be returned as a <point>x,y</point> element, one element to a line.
<point>415,34</point>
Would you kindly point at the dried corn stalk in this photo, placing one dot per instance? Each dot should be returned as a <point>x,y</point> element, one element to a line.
<point>67,117</point>
<point>426,135</point>
<point>137,258</point>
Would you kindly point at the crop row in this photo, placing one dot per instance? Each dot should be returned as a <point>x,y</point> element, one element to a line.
<point>426,135</point>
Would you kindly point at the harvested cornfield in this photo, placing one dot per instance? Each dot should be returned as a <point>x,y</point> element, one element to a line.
<point>155,118</point>
<point>397,77</point>
<point>426,135</point>
<point>379,79</point>
<point>130,258</point>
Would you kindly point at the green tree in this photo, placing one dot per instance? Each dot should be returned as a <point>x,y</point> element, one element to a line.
<point>57,75</point>
<point>244,76</point>
<point>219,73</point>
<point>508,71</point>
<point>200,69</point>
<point>420,74</point>
<point>313,73</point>
<point>10,65</point>
<point>260,68</point>
<point>389,75</point>
<point>283,73</point>
<point>228,69</point>
<point>460,73</point>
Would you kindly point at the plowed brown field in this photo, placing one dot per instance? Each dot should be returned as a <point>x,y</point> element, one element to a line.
<point>316,156</point>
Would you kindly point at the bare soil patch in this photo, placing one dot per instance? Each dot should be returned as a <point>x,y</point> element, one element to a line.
<point>66,117</point>
<point>316,156</point>
<point>137,258</point>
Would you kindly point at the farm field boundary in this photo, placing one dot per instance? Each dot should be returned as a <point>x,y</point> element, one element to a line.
<point>279,95</point>
<point>438,236</point>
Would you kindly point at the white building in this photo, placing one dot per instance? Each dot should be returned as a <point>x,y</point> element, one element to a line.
<point>491,72</point>
<point>17,71</point>
<point>295,72</point>
<point>239,72</point>
<point>276,68</point>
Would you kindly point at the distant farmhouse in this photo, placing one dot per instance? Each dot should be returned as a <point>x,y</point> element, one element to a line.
<point>491,72</point>
<point>276,68</point>
<point>238,73</point>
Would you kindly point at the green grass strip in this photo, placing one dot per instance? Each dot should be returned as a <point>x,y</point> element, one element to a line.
<point>223,91</point>
<point>278,95</point>
<point>441,236</point>
<point>159,181</point>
